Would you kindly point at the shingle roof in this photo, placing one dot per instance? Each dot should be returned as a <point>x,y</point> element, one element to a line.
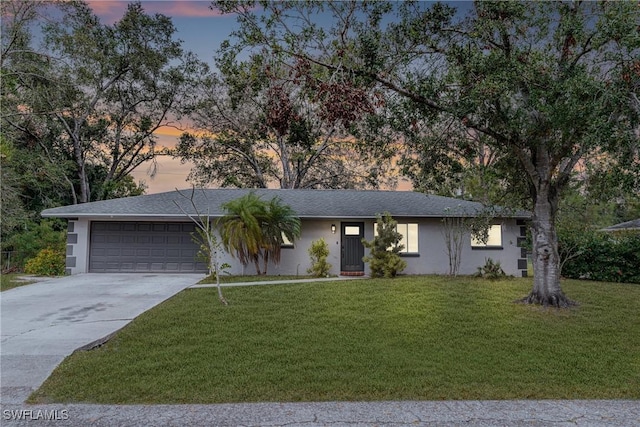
<point>306,203</point>
<point>625,226</point>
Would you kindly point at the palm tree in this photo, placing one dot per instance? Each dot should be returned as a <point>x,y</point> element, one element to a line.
<point>253,229</point>
<point>280,221</point>
<point>241,228</point>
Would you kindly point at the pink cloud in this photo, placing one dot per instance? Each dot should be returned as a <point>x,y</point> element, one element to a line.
<point>109,11</point>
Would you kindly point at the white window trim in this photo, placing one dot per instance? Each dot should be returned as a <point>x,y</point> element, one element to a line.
<point>493,242</point>
<point>403,228</point>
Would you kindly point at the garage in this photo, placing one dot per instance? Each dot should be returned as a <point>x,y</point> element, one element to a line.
<point>143,247</point>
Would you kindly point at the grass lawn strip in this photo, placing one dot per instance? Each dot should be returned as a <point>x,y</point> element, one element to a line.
<point>425,338</point>
<point>13,280</point>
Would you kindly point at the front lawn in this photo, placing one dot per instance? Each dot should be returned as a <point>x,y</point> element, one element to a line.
<point>423,338</point>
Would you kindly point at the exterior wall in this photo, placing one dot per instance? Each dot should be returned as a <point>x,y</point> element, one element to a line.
<point>77,246</point>
<point>431,259</point>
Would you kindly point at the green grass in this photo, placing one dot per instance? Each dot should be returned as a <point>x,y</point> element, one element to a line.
<point>410,338</point>
<point>12,280</point>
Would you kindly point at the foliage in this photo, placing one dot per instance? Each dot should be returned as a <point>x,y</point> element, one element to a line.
<point>93,97</point>
<point>383,258</point>
<point>48,262</point>
<point>256,125</point>
<point>542,87</point>
<point>411,338</point>
<point>602,256</point>
<point>490,270</point>
<point>36,237</point>
<point>318,252</point>
<point>252,229</point>
<point>13,213</point>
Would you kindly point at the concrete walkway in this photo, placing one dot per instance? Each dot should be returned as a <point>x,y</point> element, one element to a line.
<point>449,413</point>
<point>281,282</point>
<point>42,323</point>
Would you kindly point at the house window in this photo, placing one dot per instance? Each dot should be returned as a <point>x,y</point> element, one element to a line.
<point>494,239</point>
<point>286,243</point>
<point>409,237</point>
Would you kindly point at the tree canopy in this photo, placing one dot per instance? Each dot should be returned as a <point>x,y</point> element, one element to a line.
<point>92,96</point>
<point>257,125</point>
<point>548,90</point>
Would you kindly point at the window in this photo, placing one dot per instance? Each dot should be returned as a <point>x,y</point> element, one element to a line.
<point>409,237</point>
<point>286,243</point>
<point>493,241</point>
<point>351,230</point>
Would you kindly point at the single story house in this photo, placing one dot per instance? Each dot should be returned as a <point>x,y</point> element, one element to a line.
<point>151,233</point>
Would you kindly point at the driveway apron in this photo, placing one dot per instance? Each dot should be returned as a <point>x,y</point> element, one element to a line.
<point>44,322</point>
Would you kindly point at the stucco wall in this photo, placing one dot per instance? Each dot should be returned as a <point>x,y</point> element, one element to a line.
<point>432,257</point>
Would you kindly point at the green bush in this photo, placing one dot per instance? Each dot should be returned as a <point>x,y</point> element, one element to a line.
<point>491,270</point>
<point>601,256</point>
<point>28,243</point>
<point>384,260</point>
<point>319,251</point>
<point>48,262</point>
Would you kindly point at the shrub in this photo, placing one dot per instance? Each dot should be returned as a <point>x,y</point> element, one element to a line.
<point>490,270</point>
<point>319,251</point>
<point>601,256</point>
<point>48,262</point>
<point>28,243</point>
<point>384,260</point>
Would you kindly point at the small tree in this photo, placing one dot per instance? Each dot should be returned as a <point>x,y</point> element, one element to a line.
<point>319,251</point>
<point>384,260</point>
<point>205,235</point>
<point>252,229</point>
<point>456,228</point>
<point>453,231</point>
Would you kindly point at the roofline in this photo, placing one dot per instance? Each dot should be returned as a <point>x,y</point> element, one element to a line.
<point>183,216</point>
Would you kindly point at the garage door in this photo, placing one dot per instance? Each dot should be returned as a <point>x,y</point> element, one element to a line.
<point>143,247</point>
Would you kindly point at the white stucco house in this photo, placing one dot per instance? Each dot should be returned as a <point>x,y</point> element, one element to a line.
<point>150,234</point>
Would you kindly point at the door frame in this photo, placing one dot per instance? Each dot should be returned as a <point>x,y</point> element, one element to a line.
<point>351,271</point>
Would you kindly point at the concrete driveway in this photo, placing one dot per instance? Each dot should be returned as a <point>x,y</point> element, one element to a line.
<point>44,322</point>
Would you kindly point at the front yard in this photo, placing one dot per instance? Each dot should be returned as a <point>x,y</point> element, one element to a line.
<point>414,338</point>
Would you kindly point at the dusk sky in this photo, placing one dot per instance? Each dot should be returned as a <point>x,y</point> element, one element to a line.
<point>201,31</point>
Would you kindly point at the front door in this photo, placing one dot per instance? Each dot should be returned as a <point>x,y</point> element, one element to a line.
<point>352,248</point>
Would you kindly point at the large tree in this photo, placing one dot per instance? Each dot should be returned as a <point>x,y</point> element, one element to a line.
<point>94,94</point>
<point>550,86</point>
<point>256,125</point>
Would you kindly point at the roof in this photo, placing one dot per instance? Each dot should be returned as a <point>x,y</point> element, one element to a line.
<point>625,226</point>
<point>306,203</point>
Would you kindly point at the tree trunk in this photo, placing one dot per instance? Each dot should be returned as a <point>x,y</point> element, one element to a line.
<point>546,261</point>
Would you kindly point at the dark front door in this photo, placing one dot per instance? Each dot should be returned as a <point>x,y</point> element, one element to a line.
<point>352,248</point>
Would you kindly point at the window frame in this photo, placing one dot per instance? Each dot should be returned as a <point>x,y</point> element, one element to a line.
<point>405,238</point>
<point>478,245</point>
<point>286,243</point>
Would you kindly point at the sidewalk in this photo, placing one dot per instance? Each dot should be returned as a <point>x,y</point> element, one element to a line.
<point>281,282</point>
<point>448,413</point>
